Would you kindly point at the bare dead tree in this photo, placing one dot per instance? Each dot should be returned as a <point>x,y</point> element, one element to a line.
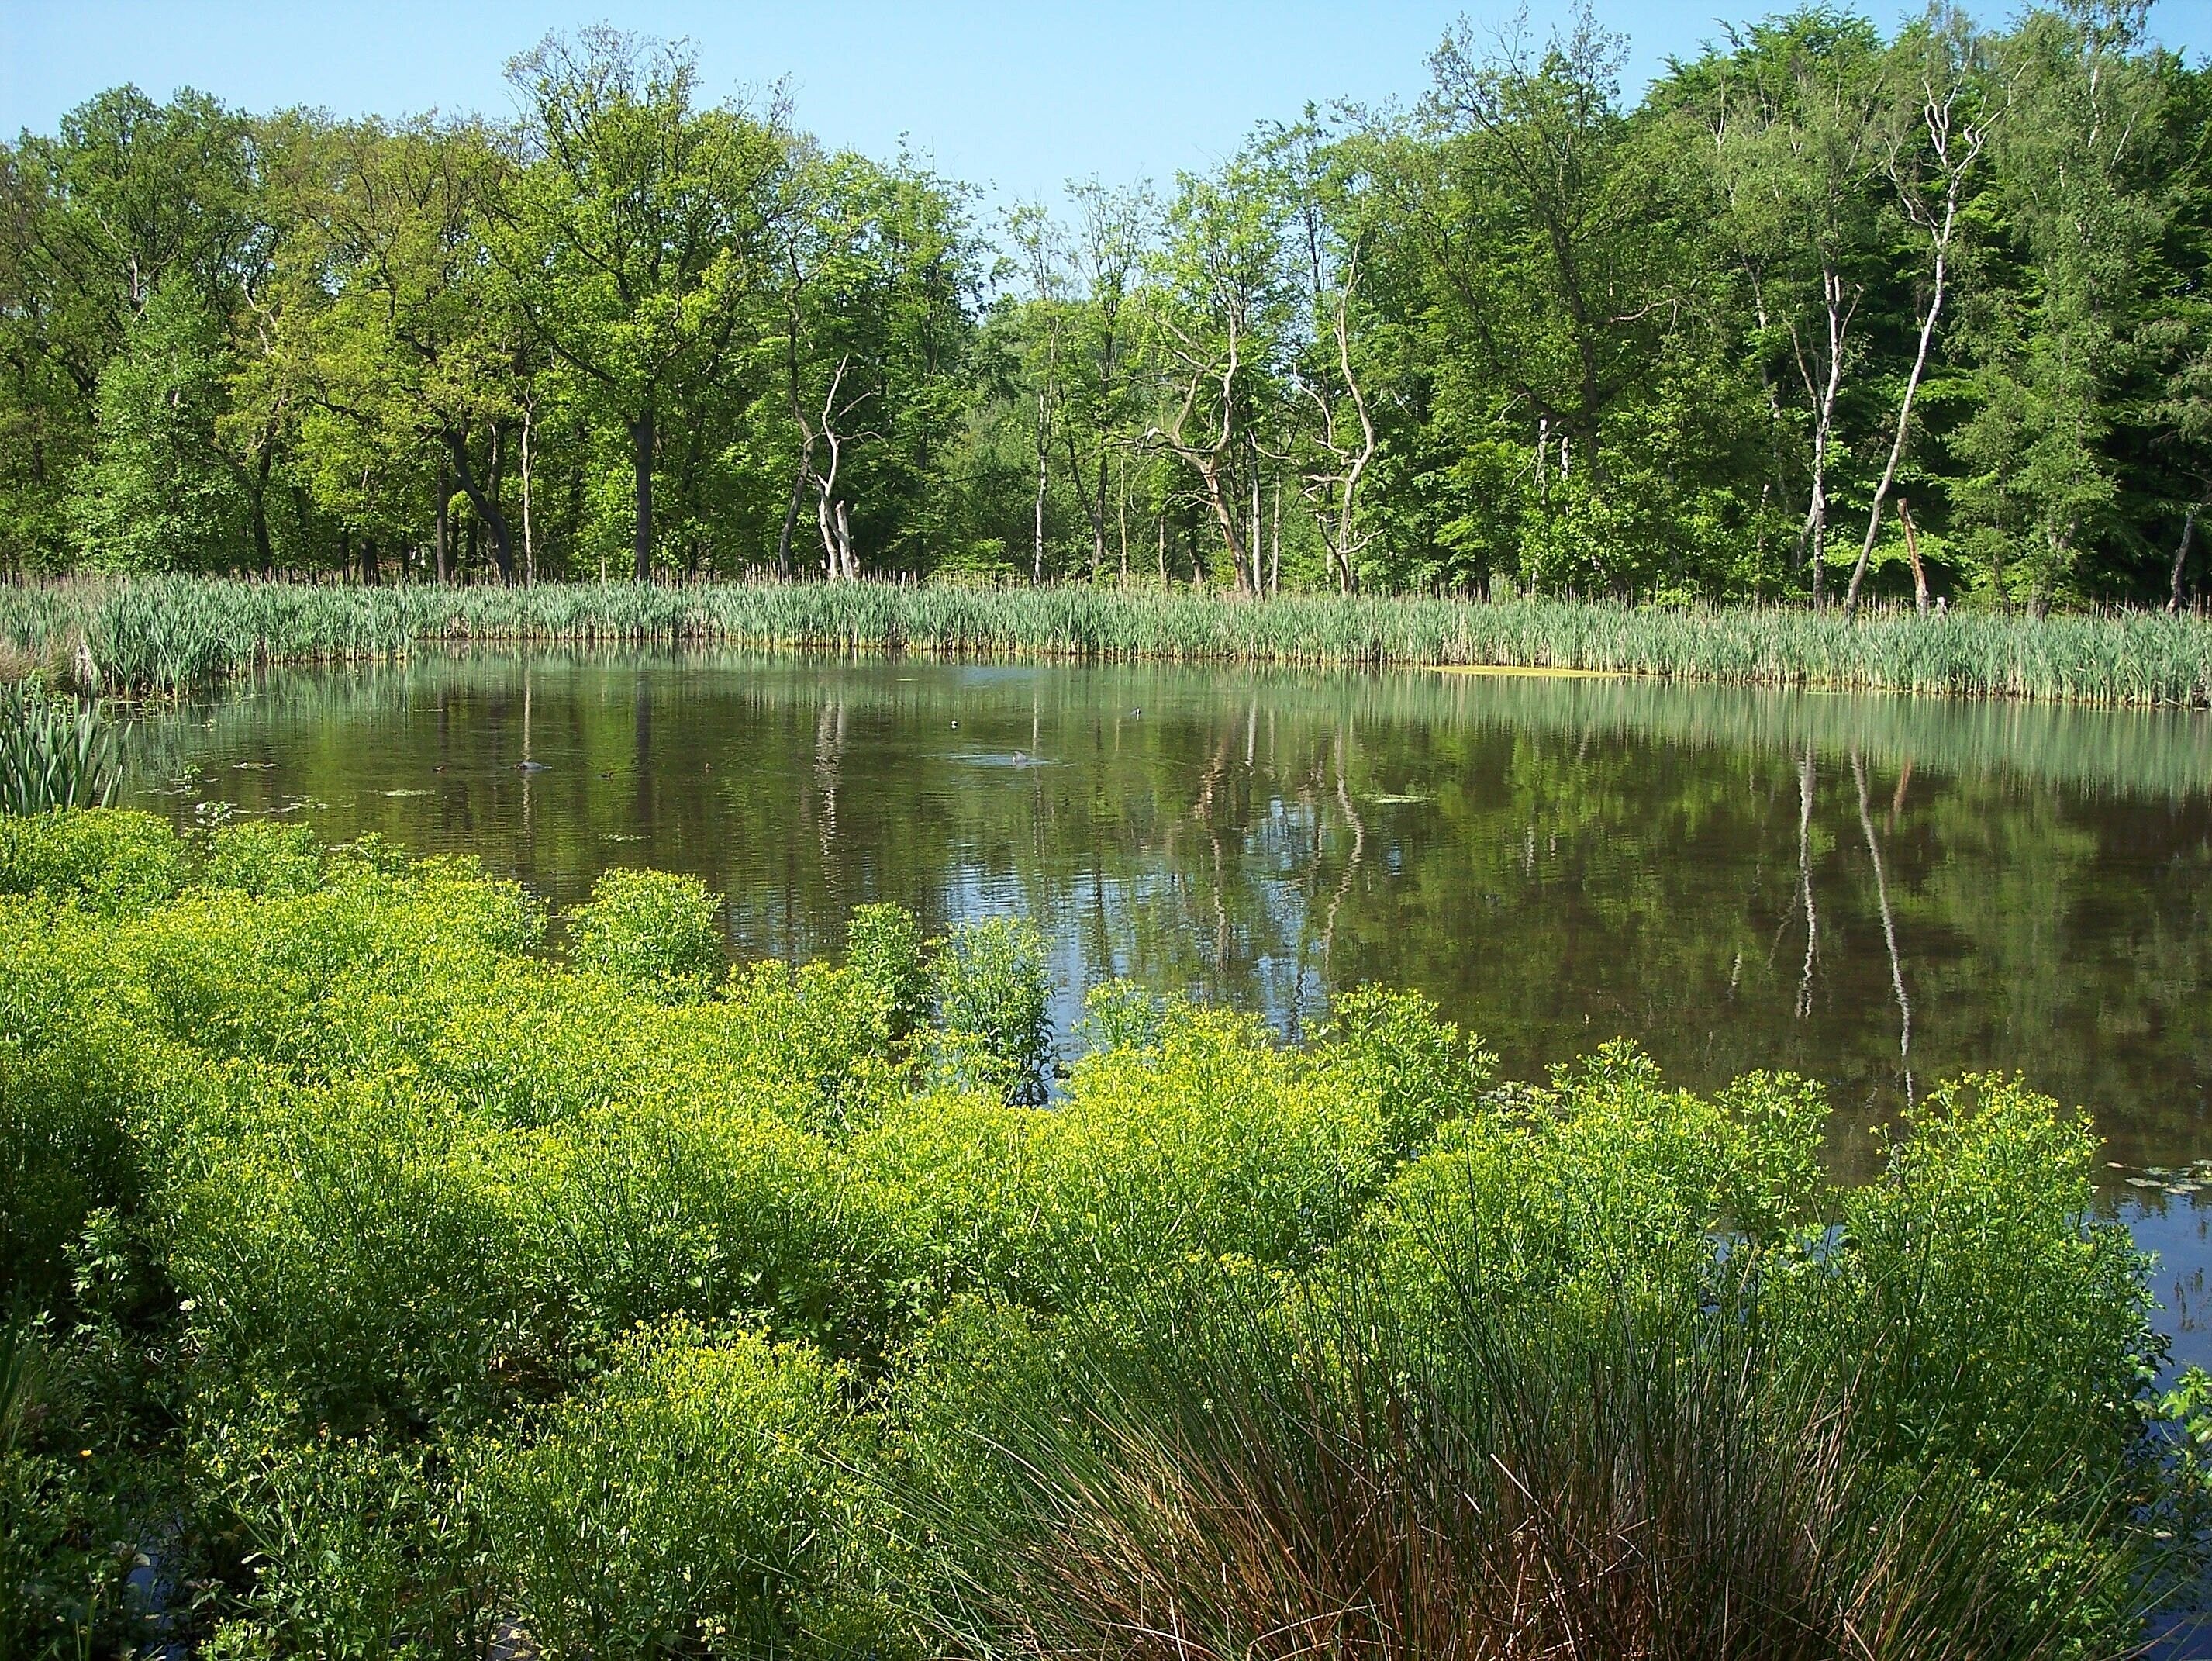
<point>1956,122</point>
<point>1331,479</point>
<point>1209,455</point>
<point>823,431</point>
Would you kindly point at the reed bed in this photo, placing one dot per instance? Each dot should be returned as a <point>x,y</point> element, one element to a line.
<point>56,752</point>
<point>168,634</point>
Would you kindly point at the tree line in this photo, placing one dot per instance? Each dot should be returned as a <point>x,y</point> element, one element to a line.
<point>1825,315</point>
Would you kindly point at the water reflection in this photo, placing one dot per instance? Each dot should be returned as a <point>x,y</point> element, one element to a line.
<point>1878,892</point>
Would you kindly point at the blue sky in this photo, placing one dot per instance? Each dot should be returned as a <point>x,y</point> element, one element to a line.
<point>1017,98</point>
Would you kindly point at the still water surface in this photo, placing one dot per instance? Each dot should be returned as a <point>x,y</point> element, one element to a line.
<point>1878,892</point>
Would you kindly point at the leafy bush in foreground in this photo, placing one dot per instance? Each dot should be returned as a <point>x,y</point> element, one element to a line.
<point>650,931</point>
<point>1288,1480</point>
<point>449,1295</point>
<point>705,1495</point>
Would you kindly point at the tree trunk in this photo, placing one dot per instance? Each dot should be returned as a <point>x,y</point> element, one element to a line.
<point>484,501</point>
<point>1912,552</point>
<point>529,542</point>
<point>1224,515</point>
<point>2181,558</point>
<point>1275,544</point>
<point>444,538</point>
<point>641,433</point>
<point>1814,539</point>
<point>495,483</point>
<point>1940,242</point>
<point>1098,524</point>
<point>1122,508</point>
<point>1897,443</point>
<point>791,513</point>
<point>262,555</point>
<point>1036,566</point>
<point>1258,542</point>
<point>845,548</point>
<point>370,576</point>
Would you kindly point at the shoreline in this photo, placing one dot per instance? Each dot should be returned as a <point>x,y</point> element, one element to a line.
<point>171,634</point>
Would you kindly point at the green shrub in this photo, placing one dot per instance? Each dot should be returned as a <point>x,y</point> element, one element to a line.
<point>1391,1048</point>
<point>1603,1181</point>
<point>1211,1143</point>
<point>357,1248</point>
<point>65,1555</point>
<point>114,862</point>
<point>69,1058</point>
<point>369,1202</point>
<point>360,1548</point>
<point>883,947</point>
<point>994,1001</point>
<point>66,1150</point>
<point>699,1499</point>
<point>1232,1476</point>
<point>1992,1314</point>
<point>1121,1015</point>
<point>263,858</point>
<point>652,932</point>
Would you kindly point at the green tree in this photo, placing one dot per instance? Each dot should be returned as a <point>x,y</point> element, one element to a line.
<point>1221,304</point>
<point>158,493</point>
<point>638,233</point>
<point>97,218</point>
<point>2053,348</point>
<point>404,345</point>
<point>1794,114</point>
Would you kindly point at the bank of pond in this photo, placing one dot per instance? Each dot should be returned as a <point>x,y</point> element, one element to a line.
<point>382,1278</point>
<point>170,633</point>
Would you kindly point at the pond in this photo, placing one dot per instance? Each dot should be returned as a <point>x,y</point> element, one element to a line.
<point>1878,892</point>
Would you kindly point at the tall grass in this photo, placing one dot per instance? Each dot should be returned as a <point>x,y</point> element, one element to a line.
<point>171,632</point>
<point>56,752</point>
<point>1238,1487</point>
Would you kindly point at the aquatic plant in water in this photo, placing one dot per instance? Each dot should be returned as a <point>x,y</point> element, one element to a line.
<point>56,752</point>
<point>173,632</point>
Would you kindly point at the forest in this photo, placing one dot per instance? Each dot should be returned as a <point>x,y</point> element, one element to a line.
<point>1823,316</point>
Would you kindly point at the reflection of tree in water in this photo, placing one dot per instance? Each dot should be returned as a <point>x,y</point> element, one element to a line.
<point>1889,923</point>
<point>829,752</point>
<point>1556,862</point>
<point>1805,883</point>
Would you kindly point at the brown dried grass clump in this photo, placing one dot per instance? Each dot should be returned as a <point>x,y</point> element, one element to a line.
<point>1566,1490</point>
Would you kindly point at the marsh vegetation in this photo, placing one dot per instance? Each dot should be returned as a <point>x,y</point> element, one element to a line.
<point>177,634</point>
<point>390,1282</point>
